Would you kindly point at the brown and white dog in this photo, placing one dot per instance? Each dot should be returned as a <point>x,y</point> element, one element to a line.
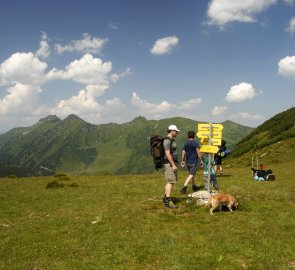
<point>220,200</point>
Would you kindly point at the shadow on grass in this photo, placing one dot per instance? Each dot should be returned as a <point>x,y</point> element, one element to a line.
<point>224,175</point>
<point>176,200</point>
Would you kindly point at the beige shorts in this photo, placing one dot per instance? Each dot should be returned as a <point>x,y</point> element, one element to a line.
<point>170,175</point>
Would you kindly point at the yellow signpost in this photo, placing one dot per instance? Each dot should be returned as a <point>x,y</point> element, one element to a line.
<point>205,141</point>
<point>206,127</point>
<point>209,149</point>
<point>210,136</point>
<point>215,133</point>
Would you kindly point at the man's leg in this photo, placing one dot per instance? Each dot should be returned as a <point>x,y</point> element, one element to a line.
<point>194,186</point>
<point>192,168</point>
<point>215,168</point>
<point>188,179</point>
<point>171,178</point>
<point>184,188</point>
<point>220,169</point>
<point>167,199</point>
<point>193,181</point>
<point>168,189</point>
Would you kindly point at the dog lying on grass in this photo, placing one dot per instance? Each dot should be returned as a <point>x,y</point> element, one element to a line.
<point>220,200</point>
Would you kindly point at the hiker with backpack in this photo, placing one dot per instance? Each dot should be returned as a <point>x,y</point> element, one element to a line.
<point>170,164</point>
<point>190,156</point>
<point>219,156</point>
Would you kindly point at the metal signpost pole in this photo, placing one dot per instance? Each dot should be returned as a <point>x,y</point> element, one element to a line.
<point>209,158</point>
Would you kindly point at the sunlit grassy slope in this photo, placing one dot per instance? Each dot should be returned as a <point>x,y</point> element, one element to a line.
<point>280,152</point>
<point>119,222</point>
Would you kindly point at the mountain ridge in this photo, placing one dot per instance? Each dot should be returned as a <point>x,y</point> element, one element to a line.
<point>75,146</point>
<point>277,128</point>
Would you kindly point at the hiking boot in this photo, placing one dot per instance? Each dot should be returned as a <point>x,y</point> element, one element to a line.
<point>183,190</point>
<point>164,199</point>
<point>170,204</point>
<point>195,188</point>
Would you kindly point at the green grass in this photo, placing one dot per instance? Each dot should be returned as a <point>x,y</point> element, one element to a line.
<point>119,222</point>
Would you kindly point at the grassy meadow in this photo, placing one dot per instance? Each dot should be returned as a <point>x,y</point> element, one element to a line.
<point>119,222</point>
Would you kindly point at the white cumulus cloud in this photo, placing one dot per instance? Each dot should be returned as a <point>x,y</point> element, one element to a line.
<point>115,77</point>
<point>96,90</point>
<point>86,70</point>
<point>246,116</point>
<point>115,103</point>
<point>164,108</point>
<point>87,44</point>
<point>164,45</point>
<point>23,68</point>
<point>83,104</point>
<point>113,25</point>
<point>289,2</point>
<point>217,110</point>
<point>190,104</point>
<point>89,108</point>
<point>291,26</point>
<point>151,108</point>
<point>21,99</point>
<point>287,67</point>
<point>96,75</point>
<point>241,92</point>
<point>44,51</point>
<point>24,74</point>
<point>222,12</point>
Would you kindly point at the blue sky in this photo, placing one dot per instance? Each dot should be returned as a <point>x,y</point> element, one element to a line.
<point>110,61</point>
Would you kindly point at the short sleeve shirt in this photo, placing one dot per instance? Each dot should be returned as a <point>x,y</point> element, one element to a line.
<point>190,148</point>
<point>171,145</point>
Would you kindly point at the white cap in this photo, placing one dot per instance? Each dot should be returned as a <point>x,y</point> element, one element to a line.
<point>173,127</point>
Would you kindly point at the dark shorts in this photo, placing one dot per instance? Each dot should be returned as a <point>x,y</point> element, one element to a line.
<point>192,168</point>
<point>218,160</point>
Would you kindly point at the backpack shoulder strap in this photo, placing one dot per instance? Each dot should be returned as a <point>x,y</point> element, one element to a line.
<point>168,138</point>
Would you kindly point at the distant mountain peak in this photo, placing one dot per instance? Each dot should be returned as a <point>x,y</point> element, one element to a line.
<point>139,119</point>
<point>73,117</point>
<point>49,118</point>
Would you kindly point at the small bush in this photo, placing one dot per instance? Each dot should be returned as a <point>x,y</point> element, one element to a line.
<point>11,176</point>
<point>74,184</point>
<point>64,178</point>
<point>60,175</point>
<point>55,184</point>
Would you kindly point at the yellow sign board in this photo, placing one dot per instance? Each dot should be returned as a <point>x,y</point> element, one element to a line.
<point>216,142</point>
<point>209,149</point>
<point>206,127</point>
<point>204,134</point>
<point>205,141</point>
